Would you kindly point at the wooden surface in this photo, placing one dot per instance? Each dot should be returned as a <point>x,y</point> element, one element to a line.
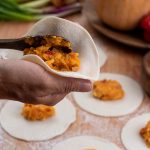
<point>121,59</point>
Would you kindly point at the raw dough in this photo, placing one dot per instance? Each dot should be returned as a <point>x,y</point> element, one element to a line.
<point>132,100</point>
<point>81,41</point>
<point>102,54</point>
<point>84,143</point>
<point>10,54</point>
<point>130,133</point>
<point>14,123</point>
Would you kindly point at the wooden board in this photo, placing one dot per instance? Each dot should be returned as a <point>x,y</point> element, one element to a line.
<point>121,59</point>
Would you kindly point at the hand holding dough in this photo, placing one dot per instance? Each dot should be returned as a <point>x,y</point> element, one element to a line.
<point>30,83</point>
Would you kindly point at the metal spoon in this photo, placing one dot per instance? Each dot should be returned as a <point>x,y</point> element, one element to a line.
<point>31,41</point>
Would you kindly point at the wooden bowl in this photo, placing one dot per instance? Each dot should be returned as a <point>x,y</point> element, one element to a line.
<point>146,73</point>
<point>133,38</point>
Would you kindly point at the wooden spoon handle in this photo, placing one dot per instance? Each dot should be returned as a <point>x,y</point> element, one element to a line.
<point>18,44</point>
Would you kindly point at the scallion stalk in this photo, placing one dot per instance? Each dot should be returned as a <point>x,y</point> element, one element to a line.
<point>35,4</point>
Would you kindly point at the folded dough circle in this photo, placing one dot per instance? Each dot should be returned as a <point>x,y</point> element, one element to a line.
<point>133,98</point>
<point>81,40</point>
<point>85,143</point>
<point>17,126</point>
<point>130,133</point>
<point>10,54</point>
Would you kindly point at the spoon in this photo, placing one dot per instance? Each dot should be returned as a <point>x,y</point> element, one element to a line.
<point>31,41</point>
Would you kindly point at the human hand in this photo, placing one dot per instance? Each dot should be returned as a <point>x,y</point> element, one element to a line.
<point>30,83</point>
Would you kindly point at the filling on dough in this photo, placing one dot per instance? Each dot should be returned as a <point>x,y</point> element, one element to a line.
<point>56,52</point>
<point>145,134</point>
<point>37,112</point>
<point>108,90</point>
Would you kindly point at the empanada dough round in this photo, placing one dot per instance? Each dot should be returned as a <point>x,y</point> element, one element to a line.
<point>133,98</point>
<point>10,54</point>
<point>85,143</point>
<point>14,123</point>
<point>82,43</point>
<point>130,133</point>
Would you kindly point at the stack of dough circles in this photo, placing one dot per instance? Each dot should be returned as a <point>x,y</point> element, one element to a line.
<point>130,133</point>
<point>17,126</point>
<point>133,98</point>
<point>85,143</point>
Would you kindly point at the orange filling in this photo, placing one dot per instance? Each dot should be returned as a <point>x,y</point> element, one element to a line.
<point>108,90</point>
<point>52,51</point>
<point>145,134</point>
<point>37,112</point>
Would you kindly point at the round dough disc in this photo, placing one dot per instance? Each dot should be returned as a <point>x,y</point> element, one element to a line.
<point>10,54</point>
<point>130,133</point>
<point>85,143</point>
<point>133,98</point>
<point>14,123</point>
<point>102,54</point>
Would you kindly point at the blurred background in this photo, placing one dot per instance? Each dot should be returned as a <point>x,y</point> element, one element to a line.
<point>31,10</point>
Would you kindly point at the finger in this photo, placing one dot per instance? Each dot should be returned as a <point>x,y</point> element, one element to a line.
<point>77,85</point>
<point>51,100</point>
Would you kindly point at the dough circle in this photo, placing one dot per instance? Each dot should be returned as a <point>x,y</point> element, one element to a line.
<point>134,96</point>
<point>85,143</point>
<point>130,133</point>
<point>10,54</point>
<point>14,123</point>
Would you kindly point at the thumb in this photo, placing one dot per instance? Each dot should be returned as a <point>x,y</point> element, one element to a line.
<point>76,85</point>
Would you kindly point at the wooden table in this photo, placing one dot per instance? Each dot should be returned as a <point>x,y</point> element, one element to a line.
<point>121,59</point>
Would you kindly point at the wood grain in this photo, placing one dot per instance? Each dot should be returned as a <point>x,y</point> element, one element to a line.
<point>121,59</point>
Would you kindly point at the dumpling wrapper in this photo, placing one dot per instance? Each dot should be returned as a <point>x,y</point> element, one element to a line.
<point>81,41</point>
<point>133,98</point>
<point>102,54</point>
<point>85,142</point>
<point>17,126</point>
<point>130,133</point>
<point>10,54</point>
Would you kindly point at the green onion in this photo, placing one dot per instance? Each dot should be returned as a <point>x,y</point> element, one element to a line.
<point>30,10</point>
<point>4,17</point>
<point>12,10</point>
<point>17,16</point>
<point>35,4</point>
